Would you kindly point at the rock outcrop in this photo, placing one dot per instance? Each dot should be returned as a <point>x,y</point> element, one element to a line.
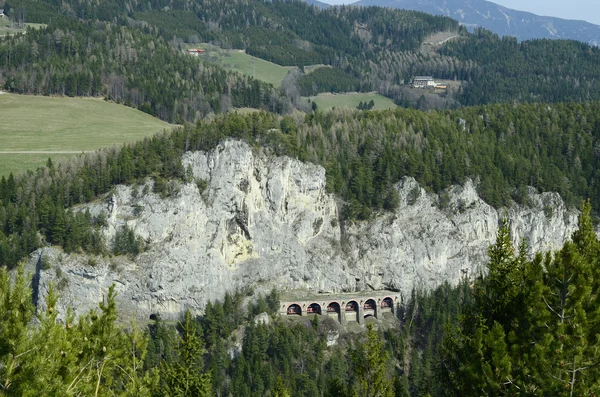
<point>251,219</point>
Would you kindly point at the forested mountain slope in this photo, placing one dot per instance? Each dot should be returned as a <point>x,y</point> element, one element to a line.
<point>499,19</point>
<point>340,200</point>
<point>370,48</point>
<point>529,71</point>
<point>125,65</point>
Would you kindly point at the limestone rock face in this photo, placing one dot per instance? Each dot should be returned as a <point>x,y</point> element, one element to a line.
<point>253,220</point>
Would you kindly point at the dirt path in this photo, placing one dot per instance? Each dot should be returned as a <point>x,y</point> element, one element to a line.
<point>434,41</point>
<point>446,39</point>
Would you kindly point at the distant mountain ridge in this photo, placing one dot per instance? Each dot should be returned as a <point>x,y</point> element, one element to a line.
<point>499,19</point>
<point>317,3</point>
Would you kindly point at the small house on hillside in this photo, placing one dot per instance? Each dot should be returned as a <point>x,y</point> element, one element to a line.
<point>1,12</point>
<point>423,82</point>
<point>195,51</point>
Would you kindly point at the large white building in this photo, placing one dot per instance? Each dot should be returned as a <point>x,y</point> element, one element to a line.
<point>423,82</point>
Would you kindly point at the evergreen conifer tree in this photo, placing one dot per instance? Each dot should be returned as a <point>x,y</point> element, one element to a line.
<point>184,377</point>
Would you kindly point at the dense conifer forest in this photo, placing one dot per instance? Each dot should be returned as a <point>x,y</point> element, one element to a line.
<point>327,80</point>
<point>530,71</point>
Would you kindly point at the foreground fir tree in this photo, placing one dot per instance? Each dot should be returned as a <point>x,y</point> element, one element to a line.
<point>184,376</point>
<point>371,363</point>
<point>534,327</point>
<point>89,357</point>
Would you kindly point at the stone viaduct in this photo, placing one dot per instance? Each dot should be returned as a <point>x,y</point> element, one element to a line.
<point>346,307</point>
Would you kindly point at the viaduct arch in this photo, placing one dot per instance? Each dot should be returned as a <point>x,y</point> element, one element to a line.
<point>352,307</point>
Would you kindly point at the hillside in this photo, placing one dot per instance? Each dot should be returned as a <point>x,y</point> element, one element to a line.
<point>9,28</point>
<point>499,19</point>
<point>125,65</point>
<point>35,128</point>
<point>180,219</point>
<point>317,3</point>
<point>328,101</point>
<point>365,48</point>
<point>239,61</point>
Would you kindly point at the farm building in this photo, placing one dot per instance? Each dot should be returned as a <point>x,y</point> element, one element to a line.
<point>423,82</point>
<point>195,52</point>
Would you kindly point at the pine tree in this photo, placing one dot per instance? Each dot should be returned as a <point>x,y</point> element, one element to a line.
<point>570,299</point>
<point>280,389</point>
<point>533,328</point>
<point>371,364</point>
<point>184,376</point>
<point>16,312</point>
<point>91,356</point>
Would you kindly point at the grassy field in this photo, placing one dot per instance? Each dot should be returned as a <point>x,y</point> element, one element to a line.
<point>239,61</point>
<point>33,128</point>
<point>351,100</point>
<point>5,27</point>
<point>18,162</point>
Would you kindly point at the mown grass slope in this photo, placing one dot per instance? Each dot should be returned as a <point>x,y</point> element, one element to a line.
<point>33,128</point>
<point>351,100</point>
<point>239,61</point>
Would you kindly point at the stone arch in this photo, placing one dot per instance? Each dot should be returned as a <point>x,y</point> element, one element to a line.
<point>387,304</point>
<point>314,308</point>
<point>352,311</point>
<point>370,307</point>
<point>334,310</point>
<point>294,310</point>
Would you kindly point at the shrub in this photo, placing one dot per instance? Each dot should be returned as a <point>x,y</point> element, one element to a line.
<point>126,242</point>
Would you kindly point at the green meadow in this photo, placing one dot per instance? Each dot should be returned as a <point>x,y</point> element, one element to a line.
<point>351,100</point>
<point>239,61</point>
<point>34,128</point>
<point>6,27</point>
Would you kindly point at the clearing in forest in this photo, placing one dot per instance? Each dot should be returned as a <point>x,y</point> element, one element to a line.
<point>34,128</point>
<point>8,27</point>
<point>239,61</point>
<point>351,100</point>
<point>432,43</point>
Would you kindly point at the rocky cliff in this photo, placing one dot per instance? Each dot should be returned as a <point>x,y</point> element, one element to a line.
<point>250,219</point>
